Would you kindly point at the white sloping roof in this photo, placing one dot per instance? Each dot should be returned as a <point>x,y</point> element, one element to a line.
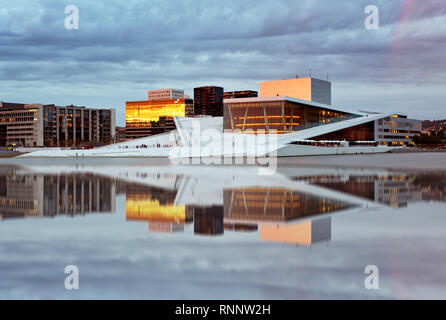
<point>186,125</point>
<point>295,100</point>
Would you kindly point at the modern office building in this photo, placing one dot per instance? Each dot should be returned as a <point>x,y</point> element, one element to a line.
<point>37,125</point>
<point>396,130</point>
<point>240,94</point>
<point>166,94</point>
<point>208,101</point>
<point>145,118</point>
<point>310,89</point>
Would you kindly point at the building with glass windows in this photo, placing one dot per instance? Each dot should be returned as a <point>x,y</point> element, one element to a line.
<point>240,94</point>
<point>285,114</point>
<point>37,125</point>
<point>282,114</point>
<point>208,101</point>
<point>146,118</point>
<point>166,94</point>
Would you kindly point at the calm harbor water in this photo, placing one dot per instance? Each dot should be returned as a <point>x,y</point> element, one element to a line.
<point>144,229</point>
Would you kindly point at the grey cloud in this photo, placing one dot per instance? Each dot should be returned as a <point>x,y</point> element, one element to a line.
<point>237,44</point>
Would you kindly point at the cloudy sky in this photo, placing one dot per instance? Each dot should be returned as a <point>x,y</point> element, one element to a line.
<point>124,48</point>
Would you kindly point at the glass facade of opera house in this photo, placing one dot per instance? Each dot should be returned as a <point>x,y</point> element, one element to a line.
<point>282,115</point>
<point>285,114</point>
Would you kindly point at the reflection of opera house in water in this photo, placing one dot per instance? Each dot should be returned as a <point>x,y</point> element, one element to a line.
<point>295,210</point>
<point>279,214</point>
<point>269,210</point>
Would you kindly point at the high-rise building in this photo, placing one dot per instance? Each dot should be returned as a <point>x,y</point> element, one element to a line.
<point>240,94</point>
<point>166,94</point>
<point>208,101</point>
<point>145,118</point>
<point>309,89</point>
<point>32,125</point>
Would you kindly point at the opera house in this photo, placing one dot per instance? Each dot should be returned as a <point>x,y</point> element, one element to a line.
<point>292,117</point>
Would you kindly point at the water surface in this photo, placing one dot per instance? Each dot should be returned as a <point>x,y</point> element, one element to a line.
<point>143,229</point>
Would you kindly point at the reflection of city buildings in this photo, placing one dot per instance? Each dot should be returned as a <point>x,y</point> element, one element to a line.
<point>432,186</point>
<point>156,206</point>
<point>29,195</point>
<point>292,207</point>
<point>395,190</point>
<point>270,210</point>
<point>208,220</point>
<point>304,233</point>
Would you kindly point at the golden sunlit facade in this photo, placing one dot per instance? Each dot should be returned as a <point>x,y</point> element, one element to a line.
<point>309,89</point>
<point>279,114</point>
<point>145,118</point>
<point>296,88</point>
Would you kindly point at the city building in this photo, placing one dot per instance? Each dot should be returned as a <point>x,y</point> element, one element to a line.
<point>310,89</point>
<point>120,135</point>
<point>37,125</point>
<point>145,118</point>
<point>166,94</point>
<point>240,94</point>
<point>396,130</point>
<point>208,101</point>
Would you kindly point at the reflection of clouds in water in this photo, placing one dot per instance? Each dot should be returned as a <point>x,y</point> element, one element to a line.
<point>119,259</point>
